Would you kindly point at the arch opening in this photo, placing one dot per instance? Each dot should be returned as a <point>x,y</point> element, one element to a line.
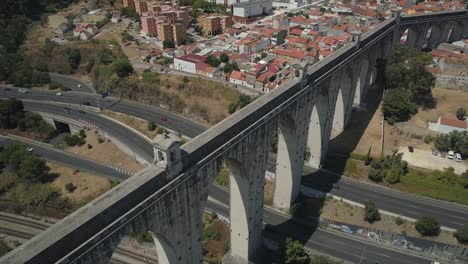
<point>288,163</point>
<point>239,184</point>
<point>164,249</point>
<point>338,116</point>
<point>361,84</point>
<point>314,140</point>
<point>434,37</point>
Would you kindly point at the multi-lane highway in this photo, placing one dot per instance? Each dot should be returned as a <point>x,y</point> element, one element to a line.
<point>69,159</point>
<point>332,244</point>
<point>174,122</point>
<point>449,214</point>
<point>126,136</point>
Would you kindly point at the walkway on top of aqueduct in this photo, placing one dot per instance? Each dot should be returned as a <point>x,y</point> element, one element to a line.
<point>175,196</point>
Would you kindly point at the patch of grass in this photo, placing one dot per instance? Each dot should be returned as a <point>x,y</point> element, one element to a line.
<point>350,167</point>
<point>427,184</point>
<point>223,177</point>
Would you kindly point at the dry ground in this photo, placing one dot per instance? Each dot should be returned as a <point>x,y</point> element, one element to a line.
<point>346,213</point>
<point>106,152</point>
<point>448,101</point>
<point>268,192</point>
<point>215,249</point>
<point>88,186</point>
<point>139,124</point>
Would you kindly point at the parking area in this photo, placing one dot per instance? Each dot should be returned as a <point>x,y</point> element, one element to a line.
<point>425,159</point>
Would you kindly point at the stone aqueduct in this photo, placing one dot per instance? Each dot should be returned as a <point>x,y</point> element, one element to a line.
<point>169,202</point>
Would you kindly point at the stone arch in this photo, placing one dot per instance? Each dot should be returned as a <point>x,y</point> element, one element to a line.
<point>339,114</point>
<point>411,37</point>
<point>456,32</point>
<point>434,36</point>
<point>239,182</point>
<point>314,140</point>
<point>361,83</point>
<point>288,170</point>
<point>164,248</point>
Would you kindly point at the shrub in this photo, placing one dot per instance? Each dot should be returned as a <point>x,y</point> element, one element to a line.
<point>428,226</point>
<point>70,187</point>
<point>151,126</point>
<point>399,221</point>
<point>90,146</point>
<point>100,140</point>
<point>462,234</point>
<point>427,139</point>
<point>232,108</point>
<point>82,134</point>
<point>371,212</point>
<point>461,113</point>
<point>160,130</point>
<point>223,177</point>
<point>74,140</point>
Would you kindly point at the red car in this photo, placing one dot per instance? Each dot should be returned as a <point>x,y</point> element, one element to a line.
<point>163,118</point>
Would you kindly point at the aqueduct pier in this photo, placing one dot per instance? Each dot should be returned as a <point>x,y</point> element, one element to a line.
<point>168,198</point>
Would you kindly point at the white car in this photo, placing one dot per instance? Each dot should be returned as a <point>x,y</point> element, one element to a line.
<point>23,91</point>
<point>450,155</point>
<point>458,157</point>
<point>30,149</point>
<point>58,94</point>
<point>79,85</point>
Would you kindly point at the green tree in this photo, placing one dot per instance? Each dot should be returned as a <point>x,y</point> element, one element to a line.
<point>397,106</point>
<point>461,113</point>
<point>371,212</point>
<point>231,66</point>
<point>74,58</point>
<point>212,61</point>
<point>33,169</point>
<point>294,253</point>
<point>168,44</point>
<point>4,248</point>
<point>224,57</point>
<point>462,234</point>
<point>406,73</point>
<point>428,226</point>
<point>151,126</point>
<point>123,68</point>
<point>368,158</point>
<point>223,177</point>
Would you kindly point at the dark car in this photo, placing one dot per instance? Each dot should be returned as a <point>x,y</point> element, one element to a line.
<point>410,149</point>
<point>7,89</point>
<point>86,103</point>
<point>163,118</point>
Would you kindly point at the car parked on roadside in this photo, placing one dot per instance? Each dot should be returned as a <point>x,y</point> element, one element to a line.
<point>23,91</point>
<point>458,157</point>
<point>451,155</point>
<point>434,152</point>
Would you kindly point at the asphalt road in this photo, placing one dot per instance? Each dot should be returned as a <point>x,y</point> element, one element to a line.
<point>448,214</point>
<point>69,159</point>
<point>70,83</point>
<point>133,140</point>
<point>341,247</point>
<point>174,122</point>
<point>319,240</point>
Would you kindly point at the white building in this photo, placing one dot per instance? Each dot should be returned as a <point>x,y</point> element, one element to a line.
<point>188,63</point>
<point>253,8</point>
<point>447,125</point>
<point>239,78</point>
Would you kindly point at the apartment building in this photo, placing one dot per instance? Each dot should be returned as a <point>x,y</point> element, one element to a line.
<point>214,24</point>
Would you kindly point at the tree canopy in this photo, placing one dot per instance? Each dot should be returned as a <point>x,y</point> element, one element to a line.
<point>390,169</point>
<point>409,83</point>
<point>428,226</point>
<point>455,140</point>
<point>294,253</point>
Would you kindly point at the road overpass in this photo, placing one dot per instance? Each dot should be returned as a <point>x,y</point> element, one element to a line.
<point>168,199</point>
